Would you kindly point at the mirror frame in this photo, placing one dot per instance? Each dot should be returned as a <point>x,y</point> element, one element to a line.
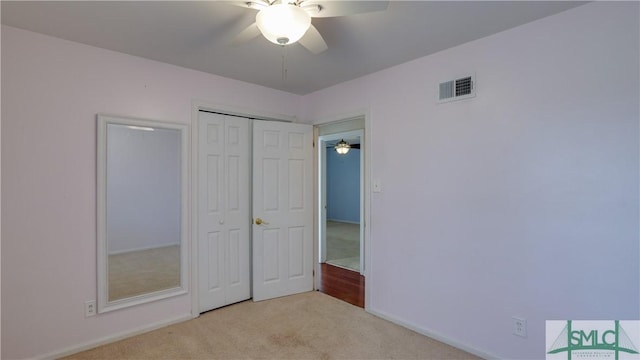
<point>104,305</point>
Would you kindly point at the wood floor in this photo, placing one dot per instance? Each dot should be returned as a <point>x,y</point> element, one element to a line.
<point>343,284</point>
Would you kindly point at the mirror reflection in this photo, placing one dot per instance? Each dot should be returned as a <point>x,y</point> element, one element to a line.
<point>143,209</point>
<point>143,169</point>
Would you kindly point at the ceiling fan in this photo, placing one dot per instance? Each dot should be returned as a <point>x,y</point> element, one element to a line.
<point>285,22</point>
<point>342,147</point>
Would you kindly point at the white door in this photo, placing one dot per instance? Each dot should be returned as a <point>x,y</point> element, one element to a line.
<point>223,210</point>
<point>282,209</point>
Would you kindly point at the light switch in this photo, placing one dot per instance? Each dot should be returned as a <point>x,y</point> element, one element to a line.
<point>377,185</point>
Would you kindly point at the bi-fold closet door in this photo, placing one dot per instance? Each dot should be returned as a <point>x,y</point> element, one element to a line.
<point>278,174</point>
<point>223,210</point>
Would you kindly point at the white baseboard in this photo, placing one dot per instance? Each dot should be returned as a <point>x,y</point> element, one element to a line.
<point>432,334</point>
<point>112,338</point>
<point>344,221</point>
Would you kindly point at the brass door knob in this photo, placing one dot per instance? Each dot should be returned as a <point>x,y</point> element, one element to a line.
<point>260,222</point>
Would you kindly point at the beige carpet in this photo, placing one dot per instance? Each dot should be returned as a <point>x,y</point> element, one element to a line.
<point>343,245</point>
<point>140,272</point>
<point>305,326</point>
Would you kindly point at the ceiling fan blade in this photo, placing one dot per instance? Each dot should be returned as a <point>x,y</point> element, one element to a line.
<point>251,4</point>
<point>313,41</point>
<point>245,35</point>
<point>331,8</point>
<point>353,146</point>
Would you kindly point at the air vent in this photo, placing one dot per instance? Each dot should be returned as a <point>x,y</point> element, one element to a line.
<point>458,89</point>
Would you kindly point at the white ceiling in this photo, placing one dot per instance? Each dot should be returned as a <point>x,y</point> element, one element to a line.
<point>196,35</point>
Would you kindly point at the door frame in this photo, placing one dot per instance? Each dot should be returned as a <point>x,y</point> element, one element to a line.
<point>366,174</point>
<point>196,106</point>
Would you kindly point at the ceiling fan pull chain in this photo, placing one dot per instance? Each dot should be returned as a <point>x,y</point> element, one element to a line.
<point>284,63</point>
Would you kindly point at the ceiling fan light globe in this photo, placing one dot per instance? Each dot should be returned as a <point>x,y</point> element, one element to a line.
<point>283,21</point>
<point>342,147</point>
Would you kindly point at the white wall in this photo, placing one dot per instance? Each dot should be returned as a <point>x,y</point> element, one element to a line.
<point>143,188</point>
<point>523,201</point>
<point>520,202</point>
<point>51,92</point>
<point>0,192</point>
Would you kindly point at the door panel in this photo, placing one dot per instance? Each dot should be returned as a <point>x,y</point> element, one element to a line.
<point>213,170</point>
<point>282,193</point>
<point>296,252</point>
<point>234,257</point>
<point>271,251</point>
<point>213,249</point>
<point>223,210</point>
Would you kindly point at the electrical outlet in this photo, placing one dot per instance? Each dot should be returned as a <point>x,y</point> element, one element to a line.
<point>519,327</point>
<point>89,308</point>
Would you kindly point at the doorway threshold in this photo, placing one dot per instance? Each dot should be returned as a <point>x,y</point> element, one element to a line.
<point>344,284</point>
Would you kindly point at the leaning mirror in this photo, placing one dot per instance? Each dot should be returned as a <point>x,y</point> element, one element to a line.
<point>142,211</point>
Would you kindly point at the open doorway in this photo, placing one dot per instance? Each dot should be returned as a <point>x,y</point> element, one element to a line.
<point>341,214</point>
<point>342,204</point>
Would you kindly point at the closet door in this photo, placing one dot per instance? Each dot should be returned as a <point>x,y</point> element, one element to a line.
<point>223,210</point>
<point>282,209</point>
